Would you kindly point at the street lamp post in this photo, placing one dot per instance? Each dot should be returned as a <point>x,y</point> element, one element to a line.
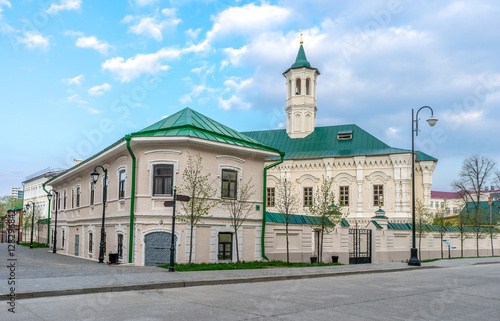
<point>95,177</point>
<point>49,196</point>
<point>414,261</point>
<point>32,220</point>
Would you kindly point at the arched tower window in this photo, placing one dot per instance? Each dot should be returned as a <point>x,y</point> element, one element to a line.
<point>308,86</point>
<point>289,89</point>
<point>297,86</point>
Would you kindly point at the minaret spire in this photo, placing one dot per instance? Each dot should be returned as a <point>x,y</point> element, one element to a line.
<point>301,41</point>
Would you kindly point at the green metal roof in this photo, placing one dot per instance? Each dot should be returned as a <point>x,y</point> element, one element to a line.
<point>294,219</point>
<point>323,142</point>
<point>437,228</point>
<point>376,224</point>
<point>16,208</point>
<point>484,212</point>
<point>301,60</point>
<point>188,122</point>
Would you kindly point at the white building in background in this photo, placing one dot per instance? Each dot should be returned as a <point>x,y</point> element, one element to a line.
<point>34,192</point>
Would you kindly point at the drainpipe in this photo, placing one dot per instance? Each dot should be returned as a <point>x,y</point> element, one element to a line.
<point>264,203</point>
<point>48,221</point>
<point>132,201</point>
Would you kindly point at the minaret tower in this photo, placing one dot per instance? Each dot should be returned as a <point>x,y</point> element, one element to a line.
<point>300,96</point>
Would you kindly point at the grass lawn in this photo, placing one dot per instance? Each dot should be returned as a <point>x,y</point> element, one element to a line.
<point>241,265</point>
<point>35,245</point>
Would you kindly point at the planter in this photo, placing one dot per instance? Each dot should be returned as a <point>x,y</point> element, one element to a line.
<point>314,259</point>
<point>335,259</point>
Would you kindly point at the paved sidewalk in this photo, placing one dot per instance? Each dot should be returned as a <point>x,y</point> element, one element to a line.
<point>41,273</point>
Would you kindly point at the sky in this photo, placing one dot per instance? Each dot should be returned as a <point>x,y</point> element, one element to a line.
<point>77,75</point>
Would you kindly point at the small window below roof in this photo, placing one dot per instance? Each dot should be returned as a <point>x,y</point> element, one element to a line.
<point>344,135</point>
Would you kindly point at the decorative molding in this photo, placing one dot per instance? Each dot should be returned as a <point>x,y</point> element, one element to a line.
<point>273,178</point>
<point>378,174</point>
<point>233,158</point>
<point>307,176</point>
<point>121,159</point>
<point>163,151</point>
<point>342,176</point>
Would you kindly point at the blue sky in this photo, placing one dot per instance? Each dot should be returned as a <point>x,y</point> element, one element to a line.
<point>78,75</point>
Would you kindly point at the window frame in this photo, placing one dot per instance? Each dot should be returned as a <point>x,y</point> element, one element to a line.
<point>270,196</point>
<point>78,195</point>
<point>121,183</point>
<point>92,193</point>
<point>221,255</point>
<point>153,191</point>
<point>91,244</point>
<point>235,196</point>
<point>307,196</point>
<point>119,245</point>
<point>344,196</point>
<point>378,190</point>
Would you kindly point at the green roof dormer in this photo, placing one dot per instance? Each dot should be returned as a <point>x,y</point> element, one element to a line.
<point>301,60</point>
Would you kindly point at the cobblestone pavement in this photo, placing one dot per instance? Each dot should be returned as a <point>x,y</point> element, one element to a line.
<point>42,263</point>
<point>39,272</point>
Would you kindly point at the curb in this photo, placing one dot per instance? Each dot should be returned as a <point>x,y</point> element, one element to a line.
<point>184,284</point>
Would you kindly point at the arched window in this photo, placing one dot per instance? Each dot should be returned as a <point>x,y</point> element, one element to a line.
<point>289,88</point>
<point>297,86</point>
<point>308,85</point>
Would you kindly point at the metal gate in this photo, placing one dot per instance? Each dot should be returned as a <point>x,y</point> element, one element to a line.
<point>360,246</point>
<point>157,248</point>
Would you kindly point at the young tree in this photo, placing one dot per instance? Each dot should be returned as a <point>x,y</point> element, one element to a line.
<point>8,202</point>
<point>475,173</point>
<point>198,187</point>
<point>239,209</point>
<point>422,218</point>
<point>442,224</point>
<point>286,202</point>
<point>324,207</point>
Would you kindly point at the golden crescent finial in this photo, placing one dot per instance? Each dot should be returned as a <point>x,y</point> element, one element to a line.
<point>301,42</point>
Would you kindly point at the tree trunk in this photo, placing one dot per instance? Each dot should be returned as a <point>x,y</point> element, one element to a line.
<point>477,245</point>
<point>461,245</point>
<point>441,244</point>
<point>491,238</point>
<point>236,242</point>
<point>191,244</point>
<point>419,246</point>
<point>287,246</point>
<point>320,254</point>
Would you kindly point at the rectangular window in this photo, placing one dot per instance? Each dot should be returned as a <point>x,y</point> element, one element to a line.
<point>308,196</point>
<point>121,185</point>
<point>120,246</point>
<point>270,196</point>
<point>90,243</point>
<point>442,205</point>
<point>163,179</point>
<point>72,198</point>
<point>229,179</point>
<point>58,200</point>
<point>378,191</point>
<point>432,204</point>
<point>65,199</point>
<point>92,193</point>
<point>225,246</point>
<point>344,195</point>
<point>78,196</point>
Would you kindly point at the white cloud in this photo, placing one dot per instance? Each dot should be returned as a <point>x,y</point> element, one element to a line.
<point>74,81</point>
<point>76,99</point>
<point>73,33</point>
<point>33,39</point>
<point>392,132</point>
<point>247,20</point>
<point>99,90</point>
<point>93,43</point>
<point>153,26</point>
<point>93,110</point>
<point>232,103</point>
<point>143,3</point>
<point>132,68</point>
<point>64,5</point>
<point>193,34</point>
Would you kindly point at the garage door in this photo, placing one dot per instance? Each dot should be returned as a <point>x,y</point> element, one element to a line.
<point>157,248</point>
